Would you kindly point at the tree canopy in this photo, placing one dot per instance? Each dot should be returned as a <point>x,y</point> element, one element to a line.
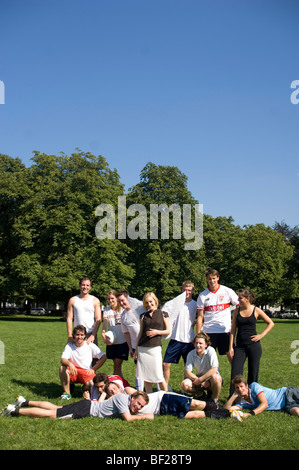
<point>48,237</point>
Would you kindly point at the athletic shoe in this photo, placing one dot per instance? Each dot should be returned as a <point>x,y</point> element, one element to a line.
<point>8,410</point>
<point>236,414</point>
<point>19,401</point>
<point>66,396</point>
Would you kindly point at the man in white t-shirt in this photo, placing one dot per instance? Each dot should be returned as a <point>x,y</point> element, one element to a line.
<point>165,403</point>
<point>214,313</point>
<point>182,332</point>
<point>84,309</point>
<point>76,362</point>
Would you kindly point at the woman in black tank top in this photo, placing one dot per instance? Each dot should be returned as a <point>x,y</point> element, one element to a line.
<point>248,344</point>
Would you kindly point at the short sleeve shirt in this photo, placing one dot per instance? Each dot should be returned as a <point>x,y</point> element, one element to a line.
<point>275,397</point>
<point>216,307</point>
<point>202,364</point>
<point>82,357</point>
<point>113,407</point>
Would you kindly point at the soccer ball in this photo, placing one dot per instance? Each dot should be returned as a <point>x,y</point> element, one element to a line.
<point>236,414</point>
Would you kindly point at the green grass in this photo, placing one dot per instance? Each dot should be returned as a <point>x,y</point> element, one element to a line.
<point>32,355</point>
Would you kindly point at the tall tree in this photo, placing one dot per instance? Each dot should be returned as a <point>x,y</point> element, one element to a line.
<point>264,263</point>
<point>57,229</point>
<point>161,259</point>
<point>14,190</point>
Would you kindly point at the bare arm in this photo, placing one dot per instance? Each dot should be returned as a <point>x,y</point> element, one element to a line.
<point>129,417</point>
<point>232,335</point>
<point>100,362</point>
<point>104,329</point>
<point>69,319</point>
<point>270,324</point>
<point>199,321</point>
<point>97,320</point>
<point>152,332</point>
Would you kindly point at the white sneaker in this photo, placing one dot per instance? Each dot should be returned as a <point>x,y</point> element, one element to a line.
<point>19,401</point>
<point>8,410</point>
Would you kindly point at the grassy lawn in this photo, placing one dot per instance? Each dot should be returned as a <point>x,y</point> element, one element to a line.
<point>33,347</point>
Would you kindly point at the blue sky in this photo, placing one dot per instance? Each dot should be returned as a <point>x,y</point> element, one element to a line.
<point>203,85</point>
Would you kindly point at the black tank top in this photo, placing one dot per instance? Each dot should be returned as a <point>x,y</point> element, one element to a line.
<point>246,328</point>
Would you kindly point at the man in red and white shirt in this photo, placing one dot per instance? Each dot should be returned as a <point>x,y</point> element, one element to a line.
<point>213,311</point>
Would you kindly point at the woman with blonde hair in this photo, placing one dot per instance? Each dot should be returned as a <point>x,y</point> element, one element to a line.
<point>154,324</point>
<point>112,335</point>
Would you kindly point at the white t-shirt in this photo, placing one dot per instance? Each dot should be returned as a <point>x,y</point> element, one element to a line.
<point>154,403</point>
<point>130,323</point>
<point>216,306</point>
<point>182,329</point>
<point>114,322</point>
<point>84,312</point>
<point>82,356</point>
<point>202,364</point>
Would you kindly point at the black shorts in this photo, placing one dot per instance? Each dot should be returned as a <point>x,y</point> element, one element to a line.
<point>117,351</point>
<point>292,398</point>
<point>175,405</point>
<point>220,341</point>
<point>78,410</point>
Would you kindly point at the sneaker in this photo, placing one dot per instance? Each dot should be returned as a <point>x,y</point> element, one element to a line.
<point>19,401</point>
<point>8,410</point>
<point>65,396</point>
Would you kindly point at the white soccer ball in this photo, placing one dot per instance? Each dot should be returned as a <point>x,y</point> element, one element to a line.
<point>110,336</point>
<point>236,414</point>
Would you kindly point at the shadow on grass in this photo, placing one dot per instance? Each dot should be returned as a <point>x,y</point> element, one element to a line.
<point>48,390</point>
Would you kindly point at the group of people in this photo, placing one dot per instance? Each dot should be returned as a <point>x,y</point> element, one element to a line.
<point>136,328</point>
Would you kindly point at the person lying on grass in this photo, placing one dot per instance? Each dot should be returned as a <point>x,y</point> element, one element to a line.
<point>120,405</point>
<point>257,398</point>
<point>165,403</point>
<point>97,391</point>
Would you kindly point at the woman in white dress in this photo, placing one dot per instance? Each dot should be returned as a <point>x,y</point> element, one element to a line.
<point>154,324</point>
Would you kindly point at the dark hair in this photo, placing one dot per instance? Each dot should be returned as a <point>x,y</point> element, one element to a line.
<point>100,377</point>
<point>79,328</point>
<point>122,292</point>
<point>239,379</point>
<point>248,294</point>
<point>212,272</point>
<point>85,279</point>
<point>203,336</point>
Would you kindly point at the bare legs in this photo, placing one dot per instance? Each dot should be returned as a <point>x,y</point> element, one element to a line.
<point>39,409</point>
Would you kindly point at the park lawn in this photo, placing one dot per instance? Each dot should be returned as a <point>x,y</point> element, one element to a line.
<point>33,347</point>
